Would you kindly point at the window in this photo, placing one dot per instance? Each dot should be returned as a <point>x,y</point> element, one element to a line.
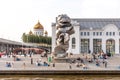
<point>100,33</point>
<point>110,33</point>
<point>106,33</point>
<point>73,43</point>
<point>110,46</point>
<point>84,33</point>
<point>88,33</point>
<point>97,45</point>
<point>84,45</point>
<point>93,33</point>
<point>97,33</point>
<point>81,33</point>
<point>113,33</point>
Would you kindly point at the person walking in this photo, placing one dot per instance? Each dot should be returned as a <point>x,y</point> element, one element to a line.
<point>24,65</point>
<point>105,64</point>
<point>31,60</point>
<point>53,64</point>
<point>70,67</point>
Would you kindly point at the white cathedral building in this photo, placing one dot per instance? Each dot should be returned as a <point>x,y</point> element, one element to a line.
<point>94,34</point>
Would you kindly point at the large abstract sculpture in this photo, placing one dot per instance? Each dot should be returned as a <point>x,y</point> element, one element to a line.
<point>64,29</point>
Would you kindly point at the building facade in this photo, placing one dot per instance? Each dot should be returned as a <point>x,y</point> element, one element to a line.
<point>102,34</point>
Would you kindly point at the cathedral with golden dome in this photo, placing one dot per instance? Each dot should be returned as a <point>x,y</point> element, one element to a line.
<point>38,30</point>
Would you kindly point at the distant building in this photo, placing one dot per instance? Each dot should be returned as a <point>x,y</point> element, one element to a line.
<point>38,30</point>
<point>102,34</point>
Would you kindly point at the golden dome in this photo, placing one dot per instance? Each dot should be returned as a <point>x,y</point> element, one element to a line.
<point>30,32</point>
<point>46,32</point>
<point>38,26</point>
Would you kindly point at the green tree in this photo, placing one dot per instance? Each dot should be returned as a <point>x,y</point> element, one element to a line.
<point>36,39</point>
<point>24,37</point>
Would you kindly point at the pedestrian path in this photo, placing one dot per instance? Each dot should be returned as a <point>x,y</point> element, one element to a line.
<point>113,64</point>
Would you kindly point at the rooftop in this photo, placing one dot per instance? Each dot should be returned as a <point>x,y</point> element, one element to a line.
<point>96,23</point>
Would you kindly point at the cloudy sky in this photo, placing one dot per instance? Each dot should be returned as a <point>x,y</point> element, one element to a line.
<point>19,16</point>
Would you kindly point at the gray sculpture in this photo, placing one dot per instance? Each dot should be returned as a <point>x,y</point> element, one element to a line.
<point>63,32</point>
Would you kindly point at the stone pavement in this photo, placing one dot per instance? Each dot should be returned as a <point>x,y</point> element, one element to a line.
<point>113,64</point>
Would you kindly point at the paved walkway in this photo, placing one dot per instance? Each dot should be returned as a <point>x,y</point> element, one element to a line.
<point>113,64</point>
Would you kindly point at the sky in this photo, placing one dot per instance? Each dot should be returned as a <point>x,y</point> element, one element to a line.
<point>19,16</point>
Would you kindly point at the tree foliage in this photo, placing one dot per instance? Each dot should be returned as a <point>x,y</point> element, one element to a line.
<point>36,39</point>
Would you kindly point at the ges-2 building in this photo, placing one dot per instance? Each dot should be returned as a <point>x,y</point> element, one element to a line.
<point>94,34</point>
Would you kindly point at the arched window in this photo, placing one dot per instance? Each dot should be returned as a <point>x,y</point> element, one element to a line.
<point>73,43</point>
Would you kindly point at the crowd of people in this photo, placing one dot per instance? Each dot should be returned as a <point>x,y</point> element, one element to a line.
<point>99,59</point>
